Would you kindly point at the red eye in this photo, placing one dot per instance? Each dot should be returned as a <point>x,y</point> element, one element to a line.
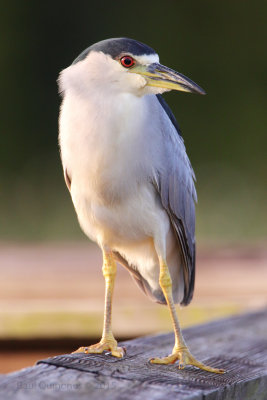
<point>127,61</point>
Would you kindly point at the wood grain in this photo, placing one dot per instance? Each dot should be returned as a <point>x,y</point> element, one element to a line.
<point>237,344</point>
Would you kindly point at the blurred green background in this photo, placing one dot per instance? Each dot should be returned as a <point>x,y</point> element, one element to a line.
<point>220,45</point>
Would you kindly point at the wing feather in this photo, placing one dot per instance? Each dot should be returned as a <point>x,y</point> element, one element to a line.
<point>175,185</point>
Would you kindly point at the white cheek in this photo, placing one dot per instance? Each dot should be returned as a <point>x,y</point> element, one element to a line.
<point>140,81</point>
<point>155,90</point>
<point>132,82</point>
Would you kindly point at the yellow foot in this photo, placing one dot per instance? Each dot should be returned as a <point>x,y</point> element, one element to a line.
<point>104,344</point>
<point>185,358</point>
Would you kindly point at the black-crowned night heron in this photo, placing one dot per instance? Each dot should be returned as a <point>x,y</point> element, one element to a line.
<point>129,176</point>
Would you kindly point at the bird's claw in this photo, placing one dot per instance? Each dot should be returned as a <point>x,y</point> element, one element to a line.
<point>184,357</point>
<point>109,345</point>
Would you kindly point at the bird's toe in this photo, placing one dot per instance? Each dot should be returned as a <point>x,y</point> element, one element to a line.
<point>164,360</point>
<point>184,357</point>
<point>103,345</point>
<point>118,352</point>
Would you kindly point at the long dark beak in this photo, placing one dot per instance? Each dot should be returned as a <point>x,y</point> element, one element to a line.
<point>160,76</point>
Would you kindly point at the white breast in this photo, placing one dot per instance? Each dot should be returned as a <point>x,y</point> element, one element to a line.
<point>109,159</point>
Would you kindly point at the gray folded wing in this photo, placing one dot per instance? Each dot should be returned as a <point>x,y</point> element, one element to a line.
<point>175,185</point>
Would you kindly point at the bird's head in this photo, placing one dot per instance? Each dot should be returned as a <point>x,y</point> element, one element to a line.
<point>126,66</point>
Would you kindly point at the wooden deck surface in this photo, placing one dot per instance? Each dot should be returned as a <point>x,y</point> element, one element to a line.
<point>237,344</point>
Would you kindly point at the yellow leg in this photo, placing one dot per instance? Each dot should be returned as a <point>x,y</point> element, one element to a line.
<point>180,351</point>
<point>107,341</point>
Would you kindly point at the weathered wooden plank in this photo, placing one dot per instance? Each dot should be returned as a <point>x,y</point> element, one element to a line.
<point>237,344</point>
